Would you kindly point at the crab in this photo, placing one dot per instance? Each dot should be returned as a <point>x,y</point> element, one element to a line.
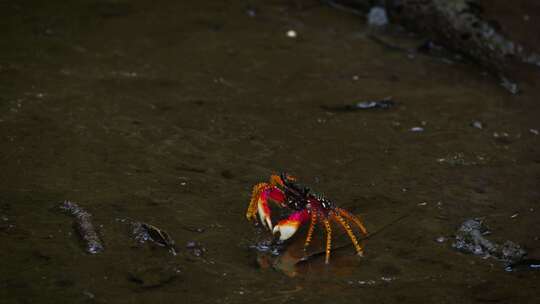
<point>285,192</point>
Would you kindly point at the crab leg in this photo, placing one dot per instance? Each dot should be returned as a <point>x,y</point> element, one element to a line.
<point>288,227</point>
<point>328,240</point>
<point>311,229</point>
<point>275,180</point>
<point>345,225</point>
<point>354,219</point>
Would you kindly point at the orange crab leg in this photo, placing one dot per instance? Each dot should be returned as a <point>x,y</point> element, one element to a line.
<point>328,240</point>
<point>354,219</point>
<point>275,180</point>
<point>345,225</point>
<point>311,229</point>
<point>256,193</point>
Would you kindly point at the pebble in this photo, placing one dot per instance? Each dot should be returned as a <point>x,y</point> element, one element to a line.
<point>501,134</point>
<point>440,239</point>
<point>251,12</point>
<point>416,129</point>
<point>534,131</point>
<point>291,34</point>
<point>477,124</point>
<point>89,294</point>
<point>385,103</point>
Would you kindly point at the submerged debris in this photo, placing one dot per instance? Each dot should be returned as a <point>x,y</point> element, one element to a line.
<point>385,103</point>
<point>458,25</point>
<point>196,248</point>
<point>83,225</point>
<point>509,85</point>
<point>460,159</point>
<point>523,265</point>
<point>145,232</point>
<point>504,138</point>
<point>470,239</point>
<point>268,246</point>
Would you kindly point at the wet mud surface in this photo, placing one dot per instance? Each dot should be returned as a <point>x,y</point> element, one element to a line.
<point>170,112</point>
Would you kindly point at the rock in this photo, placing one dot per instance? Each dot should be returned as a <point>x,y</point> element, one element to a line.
<point>416,129</point>
<point>477,124</point>
<point>143,232</point>
<point>377,17</point>
<point>470,239</point>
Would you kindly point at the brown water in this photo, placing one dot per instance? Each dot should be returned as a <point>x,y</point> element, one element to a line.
<point>169,112</point>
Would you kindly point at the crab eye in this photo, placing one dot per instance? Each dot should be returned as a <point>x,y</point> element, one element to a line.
<point>325,203</point>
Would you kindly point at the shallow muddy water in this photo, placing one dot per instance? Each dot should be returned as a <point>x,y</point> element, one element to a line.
<point>168,113</point>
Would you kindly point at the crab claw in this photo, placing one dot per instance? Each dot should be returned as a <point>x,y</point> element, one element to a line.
<point>264,210</point>
<point>288,227</point>
<point>262,193</point>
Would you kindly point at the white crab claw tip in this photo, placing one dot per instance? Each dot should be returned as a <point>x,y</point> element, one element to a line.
<point>264,214</point>
<point>266,221</point>
<point>261,217</point>
<point>269,223</point>
<point>286,230</point>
